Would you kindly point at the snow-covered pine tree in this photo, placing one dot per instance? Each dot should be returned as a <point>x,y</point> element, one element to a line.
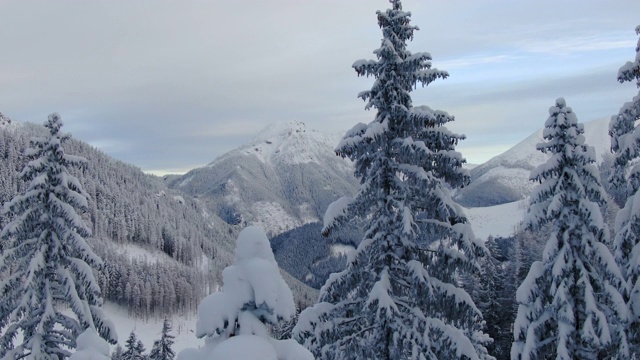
<point>254,295</point>
<point>625,140</point>
<point>117,353</point>
<point>399,296</point>
<point>625,143</point>
<point>133,348</point>
<point>4,121</point>
<point>492,290</point>
<point>162,348</point>
<point>49,262</point>
<point>140,349</point>
<point>569,303</point>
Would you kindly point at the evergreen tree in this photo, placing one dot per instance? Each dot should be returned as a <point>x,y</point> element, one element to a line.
<point>399,297</point>
<point>625,143</point>
<point>492,291</point>
<point>117,353</point>
<point>4,120</point>
<point>162,348</point>
<point>569,301</point>
<point>50,264</point>
<point>133,348</point>
<point>625,140</point>
<point>140,349</point>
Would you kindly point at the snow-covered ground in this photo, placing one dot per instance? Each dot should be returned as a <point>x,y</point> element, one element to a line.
<point>183,328</point>
<point>272,217</point>
<point>500,220</point>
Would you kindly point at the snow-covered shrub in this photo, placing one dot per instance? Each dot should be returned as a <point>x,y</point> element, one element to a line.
<point>90,346</point>
<point>233,321</point>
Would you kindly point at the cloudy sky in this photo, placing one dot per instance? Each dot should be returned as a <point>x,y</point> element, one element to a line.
<point>171,85</point>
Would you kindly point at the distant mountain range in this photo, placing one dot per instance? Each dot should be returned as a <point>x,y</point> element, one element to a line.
<point>505,178</point>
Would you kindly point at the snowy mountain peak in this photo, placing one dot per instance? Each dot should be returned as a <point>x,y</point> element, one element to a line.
<point>281,128</point>
<point>284,178</point>
<point>286,142</point>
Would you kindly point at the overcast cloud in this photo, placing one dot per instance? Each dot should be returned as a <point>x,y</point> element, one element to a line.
<point>171,85</point>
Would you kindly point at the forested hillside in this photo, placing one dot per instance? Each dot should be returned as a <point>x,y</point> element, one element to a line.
<point>163,250</point>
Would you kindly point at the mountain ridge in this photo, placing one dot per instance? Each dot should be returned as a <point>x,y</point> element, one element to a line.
<point>282,179</point>
<point>505,177</point>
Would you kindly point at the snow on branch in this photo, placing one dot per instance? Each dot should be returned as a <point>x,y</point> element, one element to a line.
<point>335,213</point>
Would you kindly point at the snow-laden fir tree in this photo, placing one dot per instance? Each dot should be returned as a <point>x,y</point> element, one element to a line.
<point>117,353</point>
<point>493,291</point>
<point>234,321</point>
<point>140,349</point>
<point>625,143</point>
<point>570,306</point>
<point>49,262</point>
<point>625,140</point>
<point>399,297</point>
<point>162,348</point>
<point>134,348</point>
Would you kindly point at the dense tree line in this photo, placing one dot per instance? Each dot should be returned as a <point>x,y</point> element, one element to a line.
<point>152,288</point>
<point>129,208</point>
<point>311,260</point>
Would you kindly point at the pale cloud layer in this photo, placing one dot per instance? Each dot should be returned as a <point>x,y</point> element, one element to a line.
<point>170,85</point>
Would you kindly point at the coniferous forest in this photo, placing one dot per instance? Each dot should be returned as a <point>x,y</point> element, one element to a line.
<point>389,269</point>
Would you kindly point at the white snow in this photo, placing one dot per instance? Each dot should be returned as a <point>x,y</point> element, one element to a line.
<point>500,220</point>
<point>179,199</point>
<point>307,214</point>
<point>186,181</point>
<point>379,296</point>
<point>137,253</point>
<point>283,141</point>
<point>90,346</point>
<point>245,347</point>
<point>289,142</point>
<point>273,218</point>
<point>183,328</point>
<point>341,249</point>
<point>336,210</point>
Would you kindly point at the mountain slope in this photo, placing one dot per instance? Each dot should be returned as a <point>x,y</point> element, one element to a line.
<point>284,178</point>
<point>163,250</point>
<point>505,178</point>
